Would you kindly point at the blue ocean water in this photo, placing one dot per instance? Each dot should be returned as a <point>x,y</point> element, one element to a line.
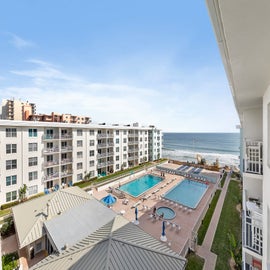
<point>186,146</point>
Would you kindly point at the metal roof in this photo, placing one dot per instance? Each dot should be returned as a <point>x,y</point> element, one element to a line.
<point>30,216</point>
<point>72,226</point>
<point>117,245</point>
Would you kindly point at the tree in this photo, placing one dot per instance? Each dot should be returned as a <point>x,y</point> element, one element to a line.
<point>235,250</point>
<point>22,192</point>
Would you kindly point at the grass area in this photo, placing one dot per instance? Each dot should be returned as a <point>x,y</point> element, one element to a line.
<point>229,222</point>
<point>207,219</point>
<point>194,262</point>
<point>5,212</point>
<point>223,179</point>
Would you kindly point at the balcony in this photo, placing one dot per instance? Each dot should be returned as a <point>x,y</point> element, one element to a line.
<point>104,164</point>
<point>51,163</point>
<point>66,173</point>
<point>66,149</point>
<point>105,145</point>
<point>50,137</point>
<point>66,161</point>
<point>253,157</point>
<point>66,136</point>
<point>133,150</point>
<point>252,226</point>
<point>49,151</point>
<point>51,176</point>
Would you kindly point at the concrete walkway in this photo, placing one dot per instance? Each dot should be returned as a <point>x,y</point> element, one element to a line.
<point>204,250</point>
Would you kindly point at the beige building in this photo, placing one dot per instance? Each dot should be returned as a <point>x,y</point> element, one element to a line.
<point>17,110</point>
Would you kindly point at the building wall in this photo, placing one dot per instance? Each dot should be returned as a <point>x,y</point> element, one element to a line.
<point>43,155</point>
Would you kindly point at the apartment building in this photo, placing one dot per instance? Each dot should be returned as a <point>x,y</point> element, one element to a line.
<point>46,155</point>
<point>155,143</point>
<point>17,110</point>
<point>242,32</point>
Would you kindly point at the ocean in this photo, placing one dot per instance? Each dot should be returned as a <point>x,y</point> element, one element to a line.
<point>186,146</point>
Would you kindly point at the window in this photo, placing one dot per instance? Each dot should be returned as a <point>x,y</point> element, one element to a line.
<point>145,139</point>
<point>79,176</point>
<point>92,142</point>
<point>11,180</point>
<point>117,149</point>
<point>92,173</point>
<point>92,163</point>
<point>125,132</point>
<point>11,148</point>
<point>11,132</point>
<point>124,140</point>
<point>117,158</point>
<point>140,153</point>
<point>79,166</point>
<point>117,140</point>
<point>33,175</point>
<point>79,154</point>
<point>33,190</point>
<point>91,132</point>
<point>140,139</point>
<point>32,161</point>
<point>91,153</point>
<point>145,152</point>
<point>125,156</point>
<point>33,147</point>
<point>79,132</point>
<point>32,132</point>
<point>117,132</point>
<point>124,148</point>
<point>11,164</point>
<point>11,196</point>
<point>145,132</point>
<point>117,167</point>
<point>79,143</point>
<point>145,145</point>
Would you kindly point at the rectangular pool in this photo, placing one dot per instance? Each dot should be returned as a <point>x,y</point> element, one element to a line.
<point>187,192</point>
<point>140,185</point>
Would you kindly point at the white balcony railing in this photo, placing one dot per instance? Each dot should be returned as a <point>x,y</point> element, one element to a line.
<point>253,157</point>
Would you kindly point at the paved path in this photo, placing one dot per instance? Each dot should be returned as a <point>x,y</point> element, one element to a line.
<point>204,250</point>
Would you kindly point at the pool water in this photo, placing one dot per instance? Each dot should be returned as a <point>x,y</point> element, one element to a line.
<point>167,211</point>
<point>187,192</point>
<point>140,185</point>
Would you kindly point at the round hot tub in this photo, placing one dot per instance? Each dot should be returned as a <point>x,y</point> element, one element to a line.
<point>168,213</point>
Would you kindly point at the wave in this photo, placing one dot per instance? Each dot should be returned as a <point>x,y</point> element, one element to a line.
<point>185,155</point>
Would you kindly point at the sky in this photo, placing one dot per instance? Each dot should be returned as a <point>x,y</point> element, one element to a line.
<point>151,62</point>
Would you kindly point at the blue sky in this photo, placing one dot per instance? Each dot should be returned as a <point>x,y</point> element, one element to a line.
<point>152,62</point>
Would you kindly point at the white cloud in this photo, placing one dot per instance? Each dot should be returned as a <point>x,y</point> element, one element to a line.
<point>19,42</point>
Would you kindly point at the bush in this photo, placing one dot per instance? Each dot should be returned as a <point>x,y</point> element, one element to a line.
<point>7,228</point>
<point>9,205</point>
<point>9,261</point>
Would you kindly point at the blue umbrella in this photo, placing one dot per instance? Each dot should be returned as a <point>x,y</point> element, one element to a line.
<point>109,199</point>
<point>163,228</point>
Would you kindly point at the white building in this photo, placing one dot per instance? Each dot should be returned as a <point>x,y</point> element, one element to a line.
<point>243,35</point>
<point>43,155</point>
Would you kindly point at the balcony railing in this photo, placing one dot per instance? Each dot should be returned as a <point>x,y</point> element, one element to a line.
<point>51,176</point>
<point>252,231</point>
<point>66,161</point>
<point>66,173</point>
<point>105,145</point>
<point>51,163</point>
<point>49,151</point>
<point>253,157</point>
<point>66,136</point>
<point>66,149</point>
<point>104,164</point>
<point>50,137</point>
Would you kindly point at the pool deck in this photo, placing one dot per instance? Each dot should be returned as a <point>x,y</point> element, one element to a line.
<point>178,240</point>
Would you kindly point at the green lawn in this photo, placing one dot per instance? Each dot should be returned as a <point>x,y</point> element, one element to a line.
<point>229,222</point>
<point>207,219</point>
<point>194,262</point>
<point>223,179</point>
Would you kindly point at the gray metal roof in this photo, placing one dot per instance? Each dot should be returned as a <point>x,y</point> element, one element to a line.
<point>30,216</point>
<point>117,245</point>
<point>77,223</point>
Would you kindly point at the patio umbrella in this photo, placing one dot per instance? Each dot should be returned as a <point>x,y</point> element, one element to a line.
<point>109,199</point>
<point>163,237</point>
<point>136,216</point>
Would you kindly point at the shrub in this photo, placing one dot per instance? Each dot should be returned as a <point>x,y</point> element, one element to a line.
<point>8,227</point>
<point>9,261</point>
<point>9,205</point>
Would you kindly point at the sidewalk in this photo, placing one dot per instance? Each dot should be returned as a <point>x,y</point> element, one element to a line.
<point>204,250</point>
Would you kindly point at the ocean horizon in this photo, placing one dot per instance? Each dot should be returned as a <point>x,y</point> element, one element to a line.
<point>211,146</point>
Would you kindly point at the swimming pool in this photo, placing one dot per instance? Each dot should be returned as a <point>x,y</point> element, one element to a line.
<point>187,192</point>
<point>140,185</point>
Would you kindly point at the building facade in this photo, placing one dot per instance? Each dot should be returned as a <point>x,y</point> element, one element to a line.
<point>17,110</point>
<point>243,36</point>
<point>48,155</point>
